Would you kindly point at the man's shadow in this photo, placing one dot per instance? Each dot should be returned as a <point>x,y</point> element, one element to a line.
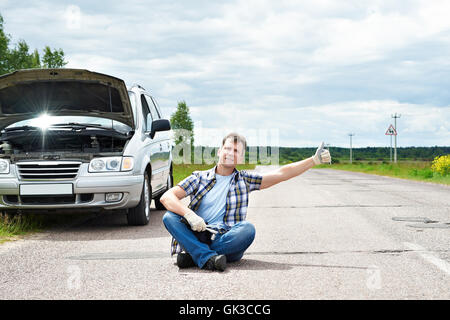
<point>254,264</point>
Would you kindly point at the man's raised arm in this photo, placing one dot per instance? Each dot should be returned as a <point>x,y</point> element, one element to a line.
<point>291,170</point>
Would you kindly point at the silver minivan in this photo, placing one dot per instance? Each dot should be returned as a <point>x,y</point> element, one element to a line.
<point>76,140</point>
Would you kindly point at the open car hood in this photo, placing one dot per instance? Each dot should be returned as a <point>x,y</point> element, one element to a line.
<point>26,94</point>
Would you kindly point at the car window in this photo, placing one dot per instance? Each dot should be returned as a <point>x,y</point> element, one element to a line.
<point>155,114</point>
<point>133,105</point>
<point>157,107</point>
<point>145,112</point>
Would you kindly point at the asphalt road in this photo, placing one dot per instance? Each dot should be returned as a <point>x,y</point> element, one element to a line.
<point>323,235</point>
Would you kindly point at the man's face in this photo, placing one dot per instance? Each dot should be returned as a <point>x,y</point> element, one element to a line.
<point>231,154</point>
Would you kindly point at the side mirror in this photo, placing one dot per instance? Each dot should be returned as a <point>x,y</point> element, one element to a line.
<point>158,125</point>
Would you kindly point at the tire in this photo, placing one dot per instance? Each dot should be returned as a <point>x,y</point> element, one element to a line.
<point>140,215</point>
<point>158,204</point>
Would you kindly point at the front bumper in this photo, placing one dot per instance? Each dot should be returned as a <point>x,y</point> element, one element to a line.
<point>88,192</point>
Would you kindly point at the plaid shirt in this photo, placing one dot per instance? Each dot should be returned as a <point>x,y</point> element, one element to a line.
<point>200,182</point>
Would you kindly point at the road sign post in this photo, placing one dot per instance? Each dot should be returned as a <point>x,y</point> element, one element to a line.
<point>390,151</point>
<point>392,132</point>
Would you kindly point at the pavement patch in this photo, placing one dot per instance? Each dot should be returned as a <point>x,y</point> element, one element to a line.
<point>414,219</point>
<point>121,255</point>
<point>381,251</point>
<point>430,225</point>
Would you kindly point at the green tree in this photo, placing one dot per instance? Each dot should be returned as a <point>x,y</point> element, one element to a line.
<point>53,59</point>
<point>35,59</point>
<point>4,43</point>
<point>20,57</point>
<point>182,124</point>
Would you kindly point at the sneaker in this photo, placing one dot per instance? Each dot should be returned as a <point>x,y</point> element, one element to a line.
<point>218,262</point>
<point>184,260</point>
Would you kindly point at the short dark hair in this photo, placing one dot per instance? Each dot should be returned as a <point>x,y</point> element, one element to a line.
<point>236,138</point>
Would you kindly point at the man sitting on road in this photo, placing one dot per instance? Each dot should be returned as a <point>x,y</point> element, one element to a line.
<point>219,200</point>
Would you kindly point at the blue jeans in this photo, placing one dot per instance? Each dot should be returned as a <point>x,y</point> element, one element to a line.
<point>232,244</point>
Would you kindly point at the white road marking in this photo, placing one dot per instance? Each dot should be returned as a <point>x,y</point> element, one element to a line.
<point>426,255</point>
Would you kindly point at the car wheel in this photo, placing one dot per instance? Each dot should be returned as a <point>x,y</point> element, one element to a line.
<point>158,204</point>
<point>140,215</point>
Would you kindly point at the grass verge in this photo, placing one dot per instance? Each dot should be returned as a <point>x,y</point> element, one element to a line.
<point>412,170</point>
<point>12,227</point>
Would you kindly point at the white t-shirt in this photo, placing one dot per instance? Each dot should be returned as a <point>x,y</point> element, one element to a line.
<point>212,206</point>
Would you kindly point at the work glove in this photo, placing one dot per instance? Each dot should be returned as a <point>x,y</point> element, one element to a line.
<point>322,155</point>
<point>197,223</point>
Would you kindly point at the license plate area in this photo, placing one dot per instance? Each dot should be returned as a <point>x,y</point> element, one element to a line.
<point>46,189</point>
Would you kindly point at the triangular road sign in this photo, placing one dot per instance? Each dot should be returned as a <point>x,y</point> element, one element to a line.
<point>391,131</point>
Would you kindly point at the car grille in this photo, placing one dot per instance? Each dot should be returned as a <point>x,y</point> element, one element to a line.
<point>48,200</point>
<point>48,170</point>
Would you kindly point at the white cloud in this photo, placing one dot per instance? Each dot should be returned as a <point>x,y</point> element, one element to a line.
<point>175,88</point>
<point>313,70</point>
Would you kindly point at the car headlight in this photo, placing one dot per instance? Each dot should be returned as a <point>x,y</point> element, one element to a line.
<point>4,166</point>
<point>111,164</point>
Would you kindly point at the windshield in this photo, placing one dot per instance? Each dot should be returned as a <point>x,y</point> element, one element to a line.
<point>46,121</point>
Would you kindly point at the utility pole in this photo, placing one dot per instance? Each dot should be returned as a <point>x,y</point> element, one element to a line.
<point>351,135</point>
<point>395,138</point>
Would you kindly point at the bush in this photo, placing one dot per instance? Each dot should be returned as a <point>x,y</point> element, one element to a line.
<point>441,165</point>
<point>427,173</point>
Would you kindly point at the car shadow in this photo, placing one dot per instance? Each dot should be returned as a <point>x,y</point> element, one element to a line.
<point>109,226</point>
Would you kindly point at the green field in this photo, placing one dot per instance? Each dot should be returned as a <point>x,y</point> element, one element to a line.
<point>412,170</point>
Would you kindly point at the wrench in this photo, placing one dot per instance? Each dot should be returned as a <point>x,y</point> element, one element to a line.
<point>208,228</point>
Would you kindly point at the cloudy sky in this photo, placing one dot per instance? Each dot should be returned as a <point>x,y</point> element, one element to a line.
<point>288,71</point>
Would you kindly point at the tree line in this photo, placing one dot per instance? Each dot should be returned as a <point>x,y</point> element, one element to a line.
<point>288,155</point>
<point>19,56</point>
<point>368,153</point>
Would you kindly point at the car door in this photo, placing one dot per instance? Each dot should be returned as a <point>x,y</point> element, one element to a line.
<point>164,142</point>
<point>152,147</point>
